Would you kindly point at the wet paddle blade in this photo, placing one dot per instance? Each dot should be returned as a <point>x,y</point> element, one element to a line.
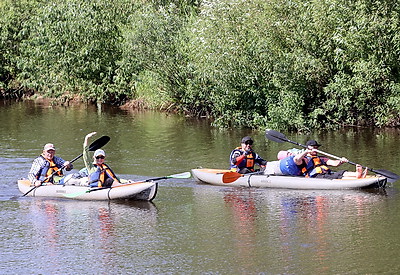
<point>391,177</point>
<point>184,175</point>
<point>230,177</point>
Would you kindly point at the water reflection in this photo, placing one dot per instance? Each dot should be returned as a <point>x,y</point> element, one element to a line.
<point>308,220</point>
<point>46,232</point>
<point>68,232</point>
<point>242,204</point>
<point>300,223</point>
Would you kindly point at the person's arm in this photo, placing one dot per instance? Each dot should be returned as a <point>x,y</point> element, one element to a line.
<point>336,162</point>
<point>60,162</point>
<point>86,151</point>
<point>298,159</point>
<point>237,157</point>
<point>259,160</point>
<point>33,173</point>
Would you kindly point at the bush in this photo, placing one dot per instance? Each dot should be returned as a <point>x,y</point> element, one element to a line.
<point>293,65</point>
<point>74,47</point>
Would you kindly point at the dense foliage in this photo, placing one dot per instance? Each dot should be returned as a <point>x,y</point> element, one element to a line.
<point>293,65</point>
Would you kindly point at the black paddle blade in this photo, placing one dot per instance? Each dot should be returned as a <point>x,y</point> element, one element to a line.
<point>98,143</point>
<point>275,136</point>
<point>391,177</point>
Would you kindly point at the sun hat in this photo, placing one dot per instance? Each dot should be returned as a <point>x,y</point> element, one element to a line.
<point>49,146</point>
<point>99,152</point>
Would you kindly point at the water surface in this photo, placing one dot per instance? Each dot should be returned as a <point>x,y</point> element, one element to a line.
<point>189,227</point>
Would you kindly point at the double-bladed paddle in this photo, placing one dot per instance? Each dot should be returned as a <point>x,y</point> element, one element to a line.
<point>97,144</point>
<point>279,137</point>
<point>184,175</point>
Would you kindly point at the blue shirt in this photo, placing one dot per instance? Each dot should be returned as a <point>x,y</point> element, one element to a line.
<point>289,167</point>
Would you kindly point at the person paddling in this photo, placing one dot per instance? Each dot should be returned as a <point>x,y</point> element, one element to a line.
<point>318,166</point>
<point>99,173</point>
<point>46,168</point>
<point>243,158</point>
<point>295,162</point>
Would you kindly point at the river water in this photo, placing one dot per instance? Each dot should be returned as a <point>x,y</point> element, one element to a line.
<point>189,227</point>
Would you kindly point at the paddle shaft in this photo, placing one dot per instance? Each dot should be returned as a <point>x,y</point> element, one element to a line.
<point>49,176</point>
<point>183,175</point>
<point>333,156</point>
<point>160,178</point>
<point>322,152</point>
<point>283,138</point>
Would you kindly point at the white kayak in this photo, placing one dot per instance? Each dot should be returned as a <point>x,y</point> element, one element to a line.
<point>143,190</point>
<point>229,178</point>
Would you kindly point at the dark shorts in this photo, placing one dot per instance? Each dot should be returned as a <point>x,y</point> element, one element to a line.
<point>335,175</point>
<point>245,171</point>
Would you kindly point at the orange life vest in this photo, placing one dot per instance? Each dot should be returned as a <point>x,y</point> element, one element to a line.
<point>47,171</point>
<point>315,166</point>
<point>248,162</point>
<point>101,174</point>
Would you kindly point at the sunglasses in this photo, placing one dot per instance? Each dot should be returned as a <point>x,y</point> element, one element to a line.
<point>100,157</point>
<point>248,143</point>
